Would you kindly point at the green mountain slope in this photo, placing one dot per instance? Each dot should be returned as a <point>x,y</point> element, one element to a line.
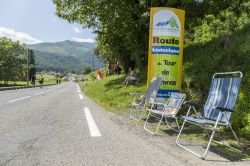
<point>65,56</point>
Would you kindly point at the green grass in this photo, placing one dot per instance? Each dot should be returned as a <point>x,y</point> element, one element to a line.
<point>24,83</point>
<point>115,97</point>
<point>13,83</point>
<point>111,94</point>
<point>48,79</point>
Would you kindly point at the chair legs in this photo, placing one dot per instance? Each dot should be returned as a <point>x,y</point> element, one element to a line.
<point>209,142</point>
<point>235,136</point>
<point>133,110</point>
<point>177,124</point>
<point>189,150</point>
<point>158,125</point>
<point>147,129</point>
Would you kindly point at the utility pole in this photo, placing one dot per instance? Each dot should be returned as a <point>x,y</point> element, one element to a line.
<point>28,54</point>
<point>93,62</point>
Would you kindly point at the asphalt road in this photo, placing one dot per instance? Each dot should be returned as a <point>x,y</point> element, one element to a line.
<point>58,125</point>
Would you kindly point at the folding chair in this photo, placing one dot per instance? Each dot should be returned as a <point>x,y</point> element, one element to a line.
<point>150,96</point>
<point>170,110</point>
<point>217,111</point>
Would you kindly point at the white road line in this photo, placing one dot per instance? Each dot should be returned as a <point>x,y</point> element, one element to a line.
<point>48,91</point>
<point>39,93</point>
<point>81,97</point>
<point>19,99</point>
<point>94,131</point>
<point>78,91</point>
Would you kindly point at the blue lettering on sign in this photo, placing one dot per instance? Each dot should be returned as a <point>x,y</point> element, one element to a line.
<point>165,50</point>
<point>166,93</point>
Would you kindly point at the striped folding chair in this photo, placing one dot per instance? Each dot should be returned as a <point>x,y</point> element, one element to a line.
<point>139,107</point>
<point>217,110</point>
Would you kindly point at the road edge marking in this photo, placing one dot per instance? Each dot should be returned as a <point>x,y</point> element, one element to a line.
<point>39,93</point>
<point>11,101</point>
<point>81,97</point>
<point>93,129</point>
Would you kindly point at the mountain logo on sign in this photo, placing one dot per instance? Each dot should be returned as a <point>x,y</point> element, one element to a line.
<point>172,22</point>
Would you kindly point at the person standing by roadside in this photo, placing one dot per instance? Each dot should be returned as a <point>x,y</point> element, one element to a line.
<point>41,79</point>
<point>117,68</point>
<point>108,69</point>
<point>33,81</point>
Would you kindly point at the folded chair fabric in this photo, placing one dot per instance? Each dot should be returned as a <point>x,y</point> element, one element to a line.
<point>169,110</point>
<point>217,110</point>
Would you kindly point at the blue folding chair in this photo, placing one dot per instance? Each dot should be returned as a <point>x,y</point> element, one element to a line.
<point>217,110</point>
<point>149,97</point>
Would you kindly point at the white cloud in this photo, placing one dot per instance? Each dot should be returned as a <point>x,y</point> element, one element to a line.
<point>75,29</point>
<point>83,40</point>
<point>22,37</point>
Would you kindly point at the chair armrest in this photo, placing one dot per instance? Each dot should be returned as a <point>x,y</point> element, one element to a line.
<point>189,103</point>
<point>222,109</point>
<point>167,106</point>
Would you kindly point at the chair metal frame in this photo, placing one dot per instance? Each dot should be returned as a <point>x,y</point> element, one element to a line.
<point>156,112</point>
<point>213,123</point>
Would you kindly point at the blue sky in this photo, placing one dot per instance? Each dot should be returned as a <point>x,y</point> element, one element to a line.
<point>34,21</point>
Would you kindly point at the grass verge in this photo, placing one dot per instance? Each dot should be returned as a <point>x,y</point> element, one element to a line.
<point>111,94</point>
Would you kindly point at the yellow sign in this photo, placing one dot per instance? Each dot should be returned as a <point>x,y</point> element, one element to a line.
<point>166,48</point>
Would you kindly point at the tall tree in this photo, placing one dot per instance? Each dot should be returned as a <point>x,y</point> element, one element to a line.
<point>122,26</point>
<point>12,55</point>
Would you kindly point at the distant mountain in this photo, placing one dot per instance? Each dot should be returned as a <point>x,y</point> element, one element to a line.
<point>65,56</point>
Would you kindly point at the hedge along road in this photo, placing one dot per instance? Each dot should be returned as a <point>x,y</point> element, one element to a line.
<point>56,126</point>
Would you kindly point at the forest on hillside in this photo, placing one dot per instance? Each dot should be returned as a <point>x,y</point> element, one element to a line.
<point>65,56</point>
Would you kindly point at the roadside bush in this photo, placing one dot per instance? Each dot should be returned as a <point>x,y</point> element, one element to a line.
<point>201,61</point>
